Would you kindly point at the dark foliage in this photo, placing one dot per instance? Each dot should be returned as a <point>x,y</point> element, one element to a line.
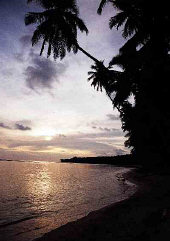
<point>144,60</point>
<point>145,63</point>
<point>56,26</point>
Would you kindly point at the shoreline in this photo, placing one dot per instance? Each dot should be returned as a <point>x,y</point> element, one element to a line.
<point>116,221</point>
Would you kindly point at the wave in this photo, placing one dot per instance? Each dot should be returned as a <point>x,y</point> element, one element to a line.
<point>17,221</point>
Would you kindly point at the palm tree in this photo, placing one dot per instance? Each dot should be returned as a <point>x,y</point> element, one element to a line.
<point>147,20</point>
<point>100,77</point>
<point>144,59</point>
<point>104,78</point>
<point>57,26</point>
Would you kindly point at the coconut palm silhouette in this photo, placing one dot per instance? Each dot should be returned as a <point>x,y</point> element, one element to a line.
<point>144,61</point>
<point>57,26</point>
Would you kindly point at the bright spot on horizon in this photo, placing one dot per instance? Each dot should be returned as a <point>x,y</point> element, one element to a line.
<point>48,138</point>
<point>49,110</point>
<point>46,133</point>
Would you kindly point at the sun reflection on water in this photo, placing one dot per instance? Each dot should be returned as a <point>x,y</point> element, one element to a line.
<point>42,196</point>
<point>40,183</point>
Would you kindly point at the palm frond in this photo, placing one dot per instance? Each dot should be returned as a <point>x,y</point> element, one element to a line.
<point>78,22</point>
<point>47,4</point>
<point>118,20</point>
<point>34,18</point>
<point>101,6</point>
<point>129,28</point>
<point>57,26</point>
<point>42,48</point>
<point>103,78</point>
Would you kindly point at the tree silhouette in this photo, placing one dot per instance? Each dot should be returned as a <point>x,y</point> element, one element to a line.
<point>144,60</point>
<point>104,78</point>
<point>57,26</point>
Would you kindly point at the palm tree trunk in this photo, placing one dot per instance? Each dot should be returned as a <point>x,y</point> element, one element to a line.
<point>119,109</point>
<point>87,54</point>
<point>96,61</point>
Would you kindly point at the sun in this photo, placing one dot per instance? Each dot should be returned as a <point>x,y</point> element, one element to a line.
<point>47,134</point>
<point>48,138</point>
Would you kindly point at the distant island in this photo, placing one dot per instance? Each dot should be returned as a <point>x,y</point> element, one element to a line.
<point>120,160</point>
<point>8,160</point>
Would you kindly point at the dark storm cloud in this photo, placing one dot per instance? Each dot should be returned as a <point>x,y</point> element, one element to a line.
<point>22,127</point>
<point>2,125</point>
<point>113,117</point>
<point>42,72</point>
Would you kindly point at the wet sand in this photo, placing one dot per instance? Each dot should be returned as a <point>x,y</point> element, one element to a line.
<point>145,216</point>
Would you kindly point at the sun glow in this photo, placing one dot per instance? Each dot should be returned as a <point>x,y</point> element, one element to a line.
<point>48,138</point>
<point>48,134</point>
<point>73,152</point>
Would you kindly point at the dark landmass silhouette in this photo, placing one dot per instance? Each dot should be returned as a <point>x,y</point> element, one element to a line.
<point>8,160</point>
<point>120,160</point>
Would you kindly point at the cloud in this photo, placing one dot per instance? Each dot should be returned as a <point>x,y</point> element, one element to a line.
<point>2,125</point>
<point>120,152</point>
<point>105,129</point>
<point>113,117</point>
<point>104,134</point>
<point>61,146</point>
<point>96,143</point>
<point>22,127</point>
<point>42,72</point>
<point>62,136</point>
<point>19,57</point>
<point>17,126</point>
<point>25,40</point>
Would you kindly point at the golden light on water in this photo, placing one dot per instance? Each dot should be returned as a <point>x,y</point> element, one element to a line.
<point>51,194</point>
<point>41,184</point>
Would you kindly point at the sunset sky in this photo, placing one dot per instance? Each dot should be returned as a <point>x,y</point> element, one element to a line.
<point>48,109</point>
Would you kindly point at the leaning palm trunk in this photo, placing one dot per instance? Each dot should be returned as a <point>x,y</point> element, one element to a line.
<point>87,54</point>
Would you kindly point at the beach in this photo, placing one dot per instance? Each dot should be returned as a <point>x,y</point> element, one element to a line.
<point>144,216</point>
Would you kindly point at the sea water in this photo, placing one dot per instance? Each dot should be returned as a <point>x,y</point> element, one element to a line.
<point>36,197</point>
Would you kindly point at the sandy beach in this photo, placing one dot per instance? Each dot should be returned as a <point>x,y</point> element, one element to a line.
<point>144,216</point>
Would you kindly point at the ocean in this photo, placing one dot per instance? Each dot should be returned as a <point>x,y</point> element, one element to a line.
<point>36,197</point>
